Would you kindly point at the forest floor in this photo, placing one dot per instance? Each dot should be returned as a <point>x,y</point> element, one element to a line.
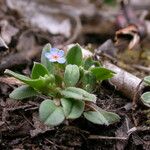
<point>20,127</point>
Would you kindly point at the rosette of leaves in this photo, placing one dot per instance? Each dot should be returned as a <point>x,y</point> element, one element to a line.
<point>68,88</point>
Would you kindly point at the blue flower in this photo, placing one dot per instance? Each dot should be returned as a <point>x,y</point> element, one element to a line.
<point>55,55</point>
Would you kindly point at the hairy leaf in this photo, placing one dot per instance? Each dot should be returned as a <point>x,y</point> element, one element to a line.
<point>102,73</point>
<point>45,61</point>
<point>101,117</point>
<point>23,92</point>
<point>51,114</point>
<point>74,55</point>
<point>147,80</point>
<point>146,98</point>
<point>38,70</point>
<point>79,94</point>
<point>71,75</point>
<point>72,108</point>
<point>39,84</point>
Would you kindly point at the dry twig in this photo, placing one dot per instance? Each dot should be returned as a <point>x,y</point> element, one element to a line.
<point>98,137</point>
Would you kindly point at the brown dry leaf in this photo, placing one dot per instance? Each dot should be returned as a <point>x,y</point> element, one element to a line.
<point>3,46</point>
<point>39,126</point>
<point>7,31</point>
<point>55,16</point>
<point>26,41</point>
<point>42,16</point>
<point>108,48</point>
<point>28,49</point>
<point>129,34</point>
<point>10,81</point>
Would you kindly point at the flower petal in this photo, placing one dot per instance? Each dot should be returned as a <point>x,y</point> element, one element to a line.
<point>52,60</point>
<point>48,55</point>
<point>55,55</point>
<point>54,51</point>
<point>60,53</point>
<point>61,60</point>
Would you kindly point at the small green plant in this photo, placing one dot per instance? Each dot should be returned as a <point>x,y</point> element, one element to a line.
<point>146,96</point>
<point>67,82</point>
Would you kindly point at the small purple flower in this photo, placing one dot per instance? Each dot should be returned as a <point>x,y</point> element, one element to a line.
<point>55,55</point>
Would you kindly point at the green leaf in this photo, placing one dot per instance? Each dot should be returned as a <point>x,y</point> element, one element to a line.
<point>45,61</point>
<point>72,108</point>
<point>23,92</point>
<point>147,80</point>
<point>101,117</point>
<point>74,55</point>
<point>90,62</point>
<point>71,75</point>
<point>79,94</point>
<point>38,70</point>
<point>58,80</point>
<point>110,116</point>
<point>88,81</point>
<point>39,84</point>
<point>146,98</point>
<point>102,73</point>
<point>51,114</point>
<point>16,75</point>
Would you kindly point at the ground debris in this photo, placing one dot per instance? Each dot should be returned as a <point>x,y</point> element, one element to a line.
<point>40,128</point>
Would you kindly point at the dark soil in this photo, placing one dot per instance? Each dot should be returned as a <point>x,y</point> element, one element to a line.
<point>21,129</point>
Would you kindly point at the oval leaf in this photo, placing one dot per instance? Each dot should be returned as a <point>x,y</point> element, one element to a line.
<point>23,92</point>
<point>79,94</point>
<point>101,117</point>
<point>38,70</point>
<point>147,80</point>
<point>146,98</point>
<point>45,61</point>
<point>74,55</point>
<point>72,108</point>
<point>71,75</point>
<point>102,73</point>
<point>51,114</point>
